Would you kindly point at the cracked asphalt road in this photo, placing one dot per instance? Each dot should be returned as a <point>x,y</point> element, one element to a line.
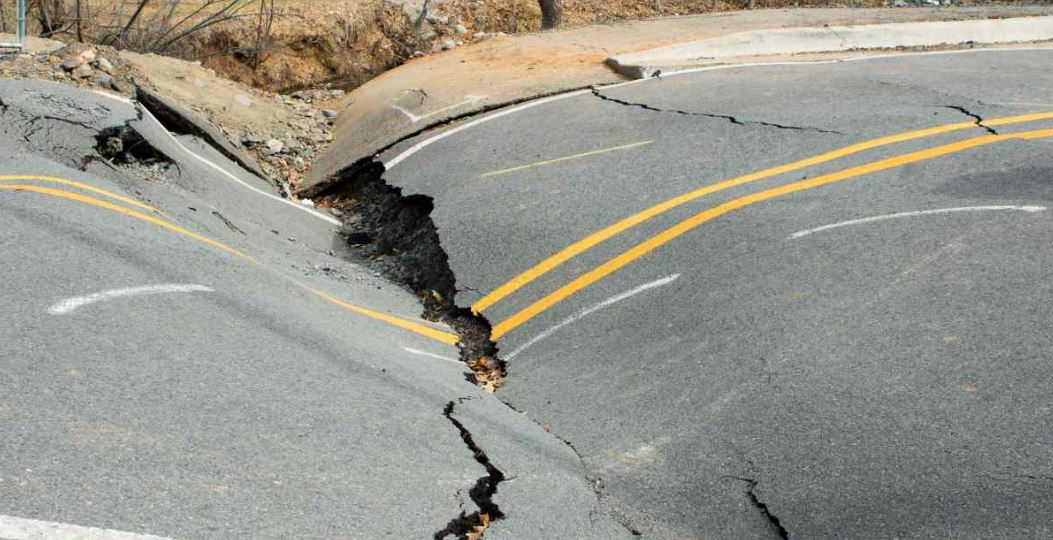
<point>248,395</point>
<point>885,378</point>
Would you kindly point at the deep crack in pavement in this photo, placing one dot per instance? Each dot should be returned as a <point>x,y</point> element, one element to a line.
<point>394,234</point>
<point>481,493</point>
<point>979,119</point>
<point>773,521</point>
<point>596,91</point>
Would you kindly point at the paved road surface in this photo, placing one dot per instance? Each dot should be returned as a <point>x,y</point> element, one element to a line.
<point>183,356</point>
<point>851,346</point>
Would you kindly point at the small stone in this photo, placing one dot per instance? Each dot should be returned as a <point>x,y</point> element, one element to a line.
<point>329,113</point>
<point>86,56</point>
<point>473,5</point>
<point>448,44</point>
<point>104,65</point>
<point>122,86</point>
<point>460,29</point>
<point>104,80</point>
<point>481,36</point>
<point>82,71</point>
<point>274,146</point>
<point>70,63</point>
<point>300,95</point>
<point>427,34</point>
<point>437,19</point>
<point>242,99</point>
<point>252,140</point>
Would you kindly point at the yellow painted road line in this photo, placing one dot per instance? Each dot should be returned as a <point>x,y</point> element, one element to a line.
<point>444,337</point>
<point>602,235</point>
<point>438,335</point>
<point>567,158</point>
<point>79,185</point>
<point>688,224</point>
<point>76,197</point>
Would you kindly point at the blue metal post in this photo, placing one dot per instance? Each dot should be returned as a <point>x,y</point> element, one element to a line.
<point>21,23</point>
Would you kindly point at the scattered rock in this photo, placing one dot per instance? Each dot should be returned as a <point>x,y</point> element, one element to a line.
<point>86,56</point>
<point>460,29</point>
<point>82,71</point>
<point>70,63</point>
<point>104,65</point>
<point>242,99</point>
<point>274,146</point>
<point>252,140</point>
<point>448,44</point>
<point>103,79</point>
<point>329,113</point>
<point>438,19</point>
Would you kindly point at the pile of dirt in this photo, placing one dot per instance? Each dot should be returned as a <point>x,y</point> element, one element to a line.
<point>76,64</point>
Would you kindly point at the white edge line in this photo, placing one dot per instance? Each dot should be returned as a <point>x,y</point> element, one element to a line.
<point>226,173</point>
<point>432,355</point>
<point>14,528</point>
<point>590,310</point>
<point>114,97</point>
<point>69,305</point>
<point>428,142</point>
<point>873,219</point>
<point>863,57</point>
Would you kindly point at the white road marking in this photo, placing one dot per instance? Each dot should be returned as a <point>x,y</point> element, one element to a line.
<point>114,97</point>
<point>590,310</point>
<point>432,355</point>
<point>13,528</point>
<point>70,305</point>
<point>873,219</point>
<point>823,62</point>
<point>224,172</point>
<point>415,118</point>
<point>428,142</point>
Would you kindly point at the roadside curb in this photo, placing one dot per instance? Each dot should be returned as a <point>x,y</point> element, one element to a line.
<point>175,118</point>
<point>826,39</point>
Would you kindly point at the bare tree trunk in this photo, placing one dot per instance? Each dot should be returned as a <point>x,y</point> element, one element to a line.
<point>551,13</point>
<point>80,17</point>
<point>131,20</point>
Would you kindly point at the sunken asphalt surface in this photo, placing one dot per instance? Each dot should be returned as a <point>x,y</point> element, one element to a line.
<point>747,378</point>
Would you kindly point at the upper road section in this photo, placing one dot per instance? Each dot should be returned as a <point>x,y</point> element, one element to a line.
<point>435,89</point>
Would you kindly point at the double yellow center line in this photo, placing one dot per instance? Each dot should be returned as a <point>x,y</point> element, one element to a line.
<point>438,335</point>
<point>664,237</point>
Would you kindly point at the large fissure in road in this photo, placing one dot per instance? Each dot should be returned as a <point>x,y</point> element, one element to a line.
<point>473,525</point>
<point>394,234</point>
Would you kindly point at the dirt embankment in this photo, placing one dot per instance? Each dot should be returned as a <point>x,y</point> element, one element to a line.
<point>296,44</point>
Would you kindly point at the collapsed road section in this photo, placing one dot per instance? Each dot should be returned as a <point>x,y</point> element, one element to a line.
<point>394,234</point>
